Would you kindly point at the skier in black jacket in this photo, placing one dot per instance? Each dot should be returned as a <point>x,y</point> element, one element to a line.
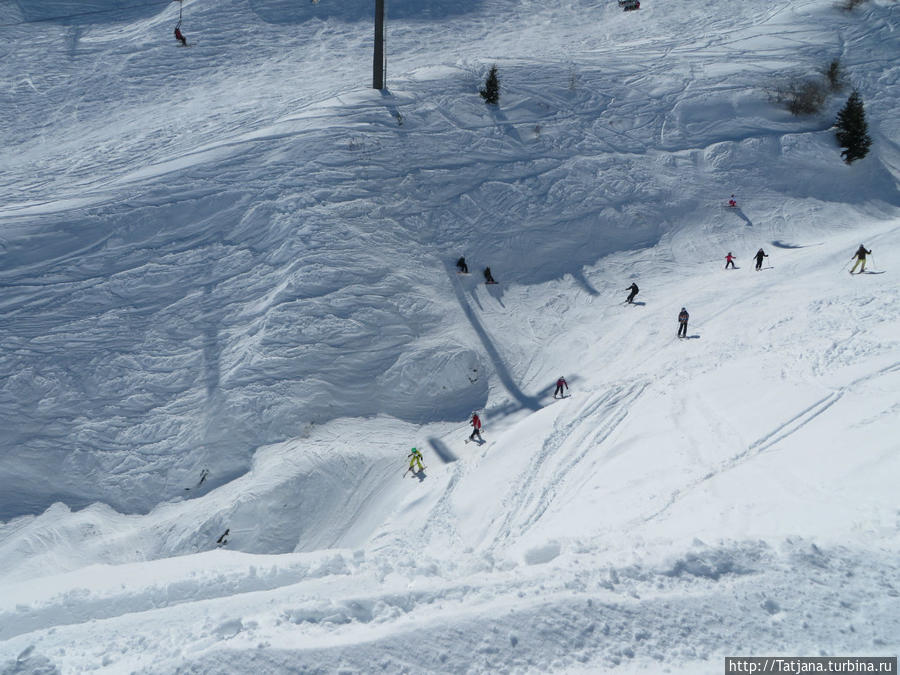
<point>683,317</point>
<point>860,256</point>
<point>760,254</point>
<point>634,291</point>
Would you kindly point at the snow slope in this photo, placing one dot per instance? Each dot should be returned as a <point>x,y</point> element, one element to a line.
<point>230,304</point>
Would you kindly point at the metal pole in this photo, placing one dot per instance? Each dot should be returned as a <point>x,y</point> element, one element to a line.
<point>378,58</point>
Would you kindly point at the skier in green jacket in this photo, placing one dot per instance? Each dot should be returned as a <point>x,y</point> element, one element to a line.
<point>415,457</point>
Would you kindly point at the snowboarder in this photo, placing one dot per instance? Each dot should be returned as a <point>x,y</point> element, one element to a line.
<point>488,277</point>
<point>461,266</point>
<point>729,260</point>
<point>179,36</point>
<point>476,427</point>
<point>860,256</point>
<point>760,254</point>
<point>415,458</point>
<point>732,203</point>
<point>560,383</point>
<point>683,317</point>
<point>634,291</point>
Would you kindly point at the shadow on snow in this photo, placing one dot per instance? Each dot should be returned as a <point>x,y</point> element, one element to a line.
<point>500,367</point>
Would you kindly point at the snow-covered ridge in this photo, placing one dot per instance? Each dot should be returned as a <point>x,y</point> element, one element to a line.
<point>607,616</point>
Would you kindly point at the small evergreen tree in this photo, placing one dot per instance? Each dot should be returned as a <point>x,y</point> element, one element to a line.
<point>835,75</point>
<point>852,130</point>
<point>491,91</point>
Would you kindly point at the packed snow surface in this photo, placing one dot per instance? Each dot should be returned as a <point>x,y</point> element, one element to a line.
<point>230,304</point>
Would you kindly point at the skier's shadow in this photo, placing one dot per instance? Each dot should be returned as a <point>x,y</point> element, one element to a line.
<point>495,292</point>
<point>740,214</point>
<point>692,337</point>
<point>638,302</point>
<point>420,475</point>
<point>585,284</point>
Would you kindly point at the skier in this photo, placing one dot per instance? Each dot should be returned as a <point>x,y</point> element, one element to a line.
<point>860,256</point>
<point>560,383</point>
<point>476,427</point>
<point>179,36</point>
<point>634,291</point>
<point>731,202</point>
<point>415,457</point>
<point>729,260</point>
<point>488,277</point>
<point>461,266</point>
<point>760,254</point>
<point>683,317</point>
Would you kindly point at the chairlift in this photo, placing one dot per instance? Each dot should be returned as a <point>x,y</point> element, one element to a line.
<point>178,34</point>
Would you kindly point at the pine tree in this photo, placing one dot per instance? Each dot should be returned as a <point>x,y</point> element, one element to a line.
<point>852,130</point>
<point>491,91</point>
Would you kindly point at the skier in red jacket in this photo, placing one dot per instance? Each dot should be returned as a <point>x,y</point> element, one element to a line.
<point>476,427</point>
<point>179,36</point>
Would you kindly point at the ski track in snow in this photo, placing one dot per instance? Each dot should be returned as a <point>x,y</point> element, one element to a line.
<point>774,437</point>
<point>536,491</point>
